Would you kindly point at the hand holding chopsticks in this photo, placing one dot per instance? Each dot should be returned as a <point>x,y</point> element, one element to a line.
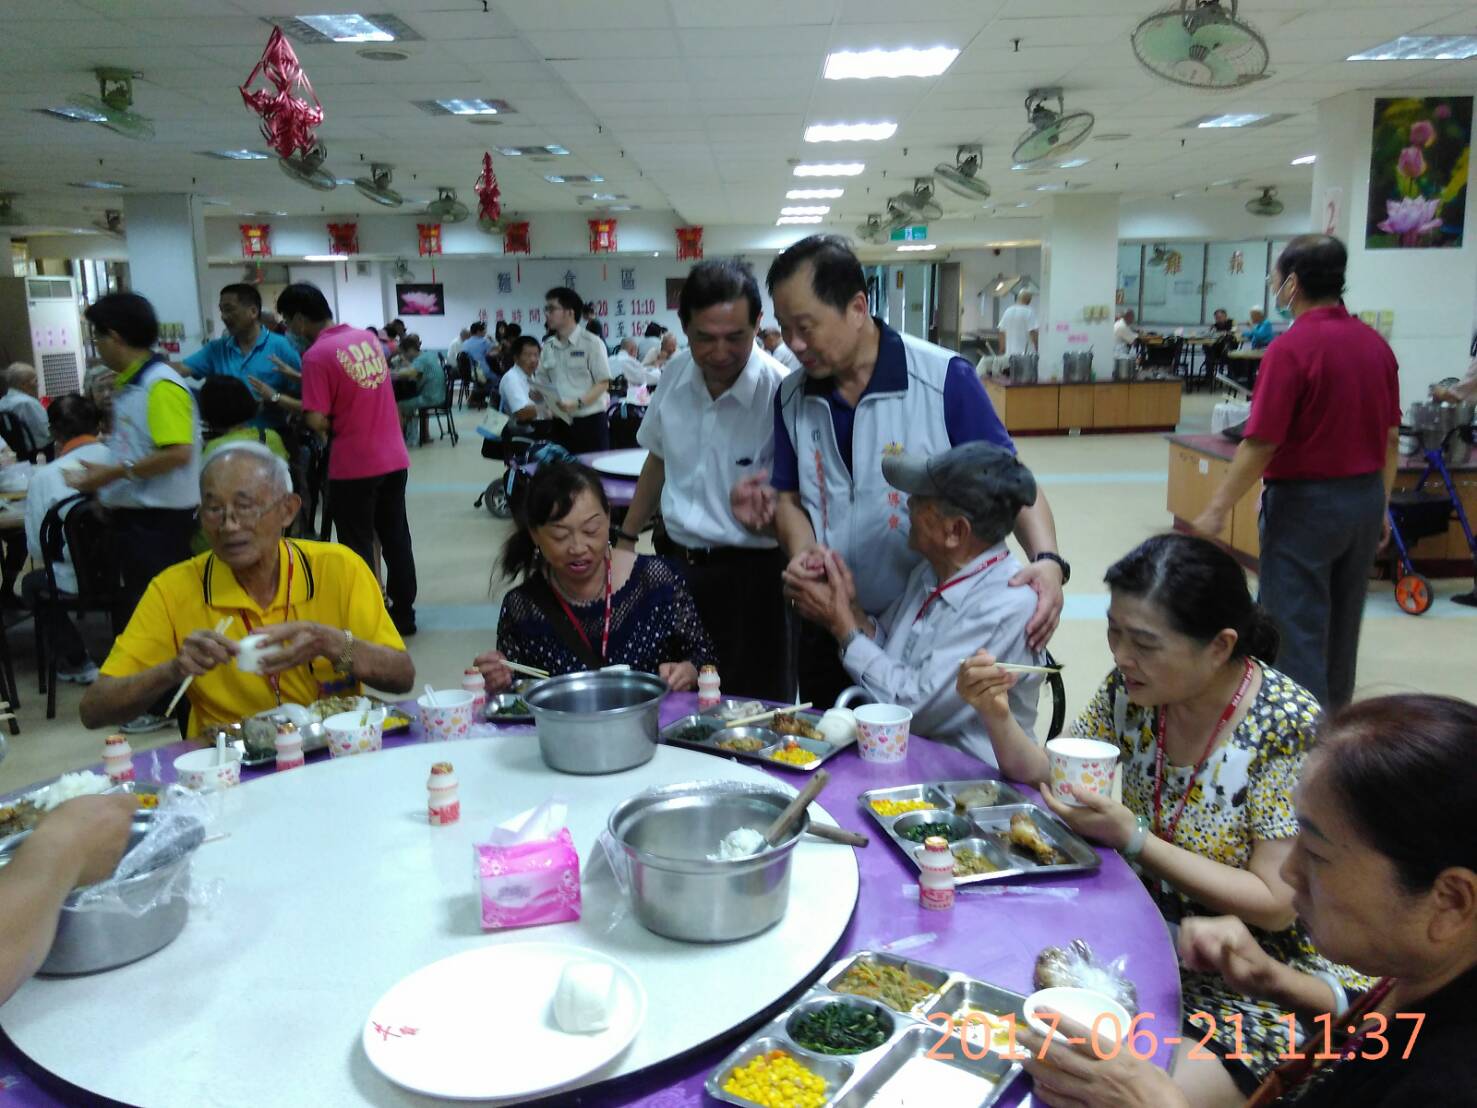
<point>527,671</point>
<point>220,629</point>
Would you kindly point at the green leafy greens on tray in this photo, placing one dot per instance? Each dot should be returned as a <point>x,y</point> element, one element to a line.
<point>840,1029</point>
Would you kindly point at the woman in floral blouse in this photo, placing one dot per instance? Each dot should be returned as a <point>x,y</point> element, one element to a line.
<point>1212,739</point>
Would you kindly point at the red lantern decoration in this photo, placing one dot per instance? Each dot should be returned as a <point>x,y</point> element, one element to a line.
<point>489,196</point>
<point>343,238</point>
<point>602,236</point>
<point>430,241</point>
<point>256,240</point>
<point>288,121</point>
<point>689,244</point>
<point>515,240</point>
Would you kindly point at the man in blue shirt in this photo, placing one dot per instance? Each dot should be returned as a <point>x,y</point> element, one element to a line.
<point>248,350</point>
<point>479,348</point>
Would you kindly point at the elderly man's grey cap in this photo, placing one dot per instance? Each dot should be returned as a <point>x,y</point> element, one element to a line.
<point>984,483</point>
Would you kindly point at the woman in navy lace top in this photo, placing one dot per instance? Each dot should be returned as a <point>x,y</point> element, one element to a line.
<point>581,604</point>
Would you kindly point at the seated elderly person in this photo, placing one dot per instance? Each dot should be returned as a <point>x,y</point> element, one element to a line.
<point>961,506</point>
<point>422,369</point>
<point>319,606</point>
<point>1259,333</point>
<point>20,398</point>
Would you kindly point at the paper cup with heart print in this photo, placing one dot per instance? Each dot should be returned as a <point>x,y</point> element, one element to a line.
<point>446,714</point>
<point>355,732</point>
<point>882,732</point>
<point>1085,764</point>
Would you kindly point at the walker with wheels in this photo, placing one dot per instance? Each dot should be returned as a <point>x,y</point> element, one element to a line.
<point>1417,514</point>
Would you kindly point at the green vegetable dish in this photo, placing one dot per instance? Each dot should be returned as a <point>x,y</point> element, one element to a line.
<point>920,831</point>
<point>517,708</point>
<point>840,1029</point>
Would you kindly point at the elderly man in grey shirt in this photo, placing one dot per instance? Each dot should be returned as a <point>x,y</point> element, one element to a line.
<point>962,504</point>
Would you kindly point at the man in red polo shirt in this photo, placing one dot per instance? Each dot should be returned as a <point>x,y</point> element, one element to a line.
<point>1323,436</point>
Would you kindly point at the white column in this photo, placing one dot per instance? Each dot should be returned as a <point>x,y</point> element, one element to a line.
<point>1432,292</point>
<point>1079,267</point>
<point>167,258</point>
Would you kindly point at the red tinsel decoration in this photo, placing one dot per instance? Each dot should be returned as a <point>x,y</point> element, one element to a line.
<point>430,238</point>
<point>516,241</point>
<point>489,196</point>
<point>288,121</point>
<point>343,238</point>
<point>256,240</point>
<point>689,244</point>
<point>602,236</point>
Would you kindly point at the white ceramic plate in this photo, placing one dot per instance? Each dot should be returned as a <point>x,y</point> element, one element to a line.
<point>621,463</point>
<point>480,1025</point>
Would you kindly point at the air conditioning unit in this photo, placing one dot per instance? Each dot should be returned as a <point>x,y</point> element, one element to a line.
<point>40,324</point>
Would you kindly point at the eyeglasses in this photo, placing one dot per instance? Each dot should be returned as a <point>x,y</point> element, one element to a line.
<point>246,516</point>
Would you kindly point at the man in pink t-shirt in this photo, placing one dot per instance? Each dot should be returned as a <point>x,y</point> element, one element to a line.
<point>347,396</point>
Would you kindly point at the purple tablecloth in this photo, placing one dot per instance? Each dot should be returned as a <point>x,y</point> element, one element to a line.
<point>995,938</point>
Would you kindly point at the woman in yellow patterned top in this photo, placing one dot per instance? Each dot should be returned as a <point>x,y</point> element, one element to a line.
<point>1212,739</point>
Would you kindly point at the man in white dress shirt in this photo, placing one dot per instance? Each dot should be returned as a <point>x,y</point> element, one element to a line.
<point>709,425</point>
<point>961,506</point>
<point>518,397</point>
<point>574,375</point>
<point>774,343</point>
<point>1019,324</point>
<point>626,364</point>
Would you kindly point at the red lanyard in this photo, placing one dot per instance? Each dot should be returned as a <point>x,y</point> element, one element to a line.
<point>949,584</point>
<point>273,679</point>
<point>568,611</point>
<point>1159,755</point>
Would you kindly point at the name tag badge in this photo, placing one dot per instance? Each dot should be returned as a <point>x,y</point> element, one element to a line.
<point>745,461</point>
<point>576,353</point>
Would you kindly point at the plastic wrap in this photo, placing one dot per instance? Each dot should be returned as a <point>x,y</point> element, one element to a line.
<point>147,876</point>
<point>1076,965</point>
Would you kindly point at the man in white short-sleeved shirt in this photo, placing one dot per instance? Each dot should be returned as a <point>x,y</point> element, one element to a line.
<point>709,425</point>
<point>1018,322</point>
<point>774,343</point>
<point>518,398</point>
<point>574,375</point>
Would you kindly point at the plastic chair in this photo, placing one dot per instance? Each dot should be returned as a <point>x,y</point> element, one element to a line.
<point>442,412</point>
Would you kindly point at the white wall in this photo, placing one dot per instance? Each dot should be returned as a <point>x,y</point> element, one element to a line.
<point>1216,215</point>
<point>1078,270</point>
<point>166,259</point>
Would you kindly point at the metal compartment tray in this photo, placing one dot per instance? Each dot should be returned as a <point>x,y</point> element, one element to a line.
<point>682,732</point>
<point>983,830</point>
<point>920,1037</point>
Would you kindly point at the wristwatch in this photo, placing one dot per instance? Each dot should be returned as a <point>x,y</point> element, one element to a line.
<point>344,664</point>
<point>128,470</point>
<point>276,396</point>
<point>622,533</point>
<point>1048,556</point>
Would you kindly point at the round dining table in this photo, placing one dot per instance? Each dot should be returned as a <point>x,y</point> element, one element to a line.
<point>994,933</point>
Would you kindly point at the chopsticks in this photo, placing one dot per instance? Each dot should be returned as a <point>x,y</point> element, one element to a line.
<point>1013,667</point>
<point>749,721</point>
<point>529,671</point>
<point>220,629</point>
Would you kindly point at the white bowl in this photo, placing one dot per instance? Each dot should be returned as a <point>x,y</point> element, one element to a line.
<point>200,770</point>
<point>1098,1014</point>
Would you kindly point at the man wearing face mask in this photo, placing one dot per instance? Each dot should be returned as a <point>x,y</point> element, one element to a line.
<point>1324,438</point>
<point>713,420</point>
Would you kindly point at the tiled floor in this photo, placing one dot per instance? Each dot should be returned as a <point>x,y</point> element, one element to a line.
<point>1107,492</point>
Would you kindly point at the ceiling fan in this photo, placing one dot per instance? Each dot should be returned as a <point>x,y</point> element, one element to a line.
<point>9,217</point>
<point>873,230</point>
<point>402,270</point>
<point>111,223</point>
<point>376,186</point>
<point>1052,133</point>
<point>113,106</point>
<point>1267,203</point>
<point>307,169</point>
<point>1200,44</point>
<point>446,207</point>
<point>918,204</point>
<point>963,176</point>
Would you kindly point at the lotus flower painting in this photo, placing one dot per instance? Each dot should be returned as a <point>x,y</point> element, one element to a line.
<point>1418,172</point>
<point>420,300</point>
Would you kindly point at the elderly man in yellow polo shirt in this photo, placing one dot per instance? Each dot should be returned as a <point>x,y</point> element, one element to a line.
<point>317,603</point>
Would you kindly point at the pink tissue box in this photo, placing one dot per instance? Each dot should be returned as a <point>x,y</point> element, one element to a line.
<point>530,883</point>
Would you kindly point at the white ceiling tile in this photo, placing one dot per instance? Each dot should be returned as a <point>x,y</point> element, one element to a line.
<point>617,51</point>
<point>886,11</point>
<point>607,15</point>
<point>755,13</point>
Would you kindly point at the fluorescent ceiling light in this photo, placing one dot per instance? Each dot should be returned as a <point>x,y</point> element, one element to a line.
<point>785,219</point>
<point>603,196</point>
<point>623,207</point>
<point>829,169</point>
<point>1233,119</point>
<point>76,115</point>
<point>1421,48</point>
<point>814,194</point>
<point>916,247</point>
<point>907,62</point>
<point>574,179</point>
<point>348,28</point>
<point>472,106</point>
<point>1306,159</point>
<point>1073,163</point>
<point>238,155</point>
<point>806,209</point>
<point>98,185</point>
<point>850,132</point>
<point>531,151</point>
<point>325,257</point>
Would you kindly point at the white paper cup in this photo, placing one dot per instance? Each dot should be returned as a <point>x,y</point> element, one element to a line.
<point>1085,764</point>
<point>1104,1020</point>
<point>348,735</point>
<point>199,769</point>
<point>250,658</point>
<point>448,717</point>
<point>882,732</point>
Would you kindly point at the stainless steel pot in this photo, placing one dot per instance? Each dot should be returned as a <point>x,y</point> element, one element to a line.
<point>1022,369</point>
<point>92,939</point>
<point>1124,368</point>
<point>600,722</point>
<point>1077,367</point>
<point>666,835</point>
